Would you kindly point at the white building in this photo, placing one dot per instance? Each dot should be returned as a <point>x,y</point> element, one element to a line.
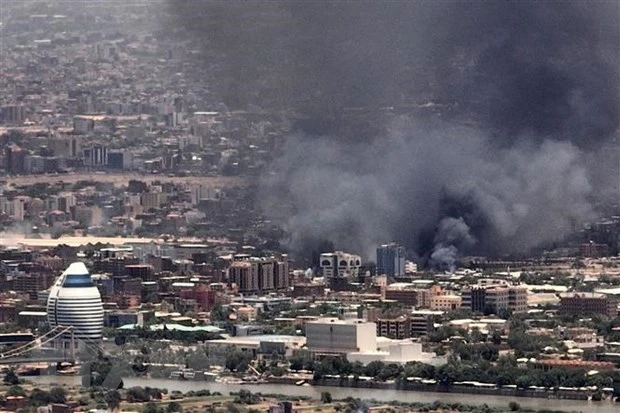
<point>357,340</point>
<point>200,192</point>
<point>340,266</point>
<point>74,301</point>
<point>397,351</point>
<point>334,336</point>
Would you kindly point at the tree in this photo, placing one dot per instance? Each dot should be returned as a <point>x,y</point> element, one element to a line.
<point>389,371</point>
<point>150,407</point>
<point>137,394</point>
<point>356,405</point>
<point>39,398</point>
<point>58,395</point>
<point>16,391</point>
<point>174,407</point>
<point>373,368</point>
<point>11,378</point>
<point>296,363</point>
<point>155,393</point>
<point>237,360</point>
<point>523,382</point>
<point>496,337</point>
<point>247,397</point>
<point>326,397</point>
<point>476,336</point>
<point>113,399</point>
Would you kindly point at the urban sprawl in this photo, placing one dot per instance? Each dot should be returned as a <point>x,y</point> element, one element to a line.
<point>134,253</point>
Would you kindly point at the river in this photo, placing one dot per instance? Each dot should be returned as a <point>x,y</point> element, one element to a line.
<point>343,392</point>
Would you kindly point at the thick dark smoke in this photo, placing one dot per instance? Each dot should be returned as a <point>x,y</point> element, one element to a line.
<point>504,111</point>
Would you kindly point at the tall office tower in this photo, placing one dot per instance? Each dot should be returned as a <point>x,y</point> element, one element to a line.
<point>391,260</point>
<point>74,301</point>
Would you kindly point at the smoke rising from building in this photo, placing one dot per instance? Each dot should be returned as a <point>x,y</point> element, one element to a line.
<point>506,154</point>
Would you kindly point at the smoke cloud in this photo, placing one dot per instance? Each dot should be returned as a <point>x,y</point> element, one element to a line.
<point>429,178</point>
<point>501,114</point>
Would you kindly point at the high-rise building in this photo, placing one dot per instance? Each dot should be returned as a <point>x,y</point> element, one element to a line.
<point>244,275</point>
<point>281,275</point>
<point>391,260</point>
<point>339,267</point>
<point>15,159</point>
<point>13,114</point>
<point>251,274</point>
<point>74,301</point>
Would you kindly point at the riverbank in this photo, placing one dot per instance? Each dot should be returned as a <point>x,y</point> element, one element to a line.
<point>438,388</point>
<point>337,392</point>
<point>412,385</point>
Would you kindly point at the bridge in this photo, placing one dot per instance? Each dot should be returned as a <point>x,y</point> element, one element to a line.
<point>36,351</point>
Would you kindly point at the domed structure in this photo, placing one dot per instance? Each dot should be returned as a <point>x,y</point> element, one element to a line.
<point>75,301</point>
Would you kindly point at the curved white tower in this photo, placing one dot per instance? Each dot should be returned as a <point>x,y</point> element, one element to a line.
<point>75,301</point>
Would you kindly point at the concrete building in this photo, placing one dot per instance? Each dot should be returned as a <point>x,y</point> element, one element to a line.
<point>517,299</point>
<point>258,346</point>
<point>32,319</point>
<point>423,322</point>
<point>391,260</point>
<point>357,341</point>
<point>244,276</point>
<point>582,304</point>
<point>66,147</point>
<point>31,284</point>
<point>490,299</point>
<point>153,200</point>
<point>15,159</point>
<point>252,274</point>
<point>404,293</point>
<point>446,302</point>
<point>331,336</point>
<point>398,352</point>
<point>340,267</point>
<point>395,328</point>
<point>593,250</point>
<point>14,208</point>
<point>13,114</point>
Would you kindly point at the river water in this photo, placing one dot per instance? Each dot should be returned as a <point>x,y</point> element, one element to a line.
<point>343,392</point>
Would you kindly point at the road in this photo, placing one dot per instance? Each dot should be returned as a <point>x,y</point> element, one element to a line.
<point>119,179</point>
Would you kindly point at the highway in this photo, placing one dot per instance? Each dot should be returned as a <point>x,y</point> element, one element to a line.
<point>120,179</point>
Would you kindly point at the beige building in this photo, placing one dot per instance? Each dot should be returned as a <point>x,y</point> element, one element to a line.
<point>494,298</point>
<point>244,276</point>
<point>447,302</point>
<point>252,274</point>
<point>153,200</point>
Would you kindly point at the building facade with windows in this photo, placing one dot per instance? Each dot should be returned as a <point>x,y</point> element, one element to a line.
<point>74,301</point>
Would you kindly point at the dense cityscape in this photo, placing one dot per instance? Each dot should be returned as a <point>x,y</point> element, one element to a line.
<point>175,238</point>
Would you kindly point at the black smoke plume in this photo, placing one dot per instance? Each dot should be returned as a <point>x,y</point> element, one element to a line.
<point>452,127</point>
